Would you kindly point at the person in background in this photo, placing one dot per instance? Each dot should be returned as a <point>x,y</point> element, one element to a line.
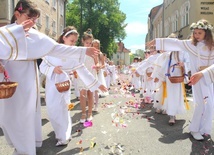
<point>100,74</point>
<point>85,94</point>
<point>201,52</point>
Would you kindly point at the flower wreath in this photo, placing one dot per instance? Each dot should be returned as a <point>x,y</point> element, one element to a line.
<point>201,25</point>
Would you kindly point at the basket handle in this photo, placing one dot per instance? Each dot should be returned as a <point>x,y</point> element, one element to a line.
<point>63,72</point>
<point>169,65</point>
<point>6,76</point>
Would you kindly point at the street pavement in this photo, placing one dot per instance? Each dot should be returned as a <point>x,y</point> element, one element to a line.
<point>121,127</point>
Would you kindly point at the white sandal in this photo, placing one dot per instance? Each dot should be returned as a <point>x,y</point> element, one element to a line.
<point>82,120</point>
<point>61,143</point>
<point>90,118</point>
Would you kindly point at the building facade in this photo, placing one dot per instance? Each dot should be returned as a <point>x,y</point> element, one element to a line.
<point>122,56</point>
<point>51,21</point>
<point>176,16</point>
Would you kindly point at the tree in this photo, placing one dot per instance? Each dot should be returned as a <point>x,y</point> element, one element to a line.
<point>102,16</point>
<point>140,53</point>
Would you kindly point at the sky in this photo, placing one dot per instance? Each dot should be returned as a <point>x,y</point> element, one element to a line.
<point>137,12</point>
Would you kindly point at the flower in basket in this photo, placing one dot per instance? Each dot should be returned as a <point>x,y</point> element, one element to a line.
<point>70,106</point>
<point>133,69</point>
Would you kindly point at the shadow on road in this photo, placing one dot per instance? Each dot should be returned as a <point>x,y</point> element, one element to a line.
<point>170,134</point>
<point>202,147</point>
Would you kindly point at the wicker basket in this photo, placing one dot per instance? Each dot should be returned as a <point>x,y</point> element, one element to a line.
<point>63,86</point>
<point>177,79</point>
<point>7,89</point>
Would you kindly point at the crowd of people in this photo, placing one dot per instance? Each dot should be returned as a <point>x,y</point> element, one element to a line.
<point>160,78</point>
<point>164,73</point>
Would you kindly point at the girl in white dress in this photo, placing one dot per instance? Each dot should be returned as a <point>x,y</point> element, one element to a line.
<point>20,115</point>
<point>52,68</point>
<point>85,94</point>
<point>100,74</point>
<point>201,55</point>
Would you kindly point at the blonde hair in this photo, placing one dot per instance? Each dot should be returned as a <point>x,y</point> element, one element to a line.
<point>87,35</point>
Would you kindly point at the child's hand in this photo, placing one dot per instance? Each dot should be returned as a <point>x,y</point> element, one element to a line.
<point>181,64</point>
<point>137,74</point>
<point>156,80</point>
<point>27,25</point>
<point>91,51</point>
<point>195,78</point>
<point>58,70</point>
<point>103,88</point>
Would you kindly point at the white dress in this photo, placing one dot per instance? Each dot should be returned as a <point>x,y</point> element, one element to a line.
<point>61,122</point>
<point>135,80</point>
<point>12,36</point>
<point>89,63</point>
<point>20,114</point>
<point>209,74</point>
<point>146,66</point>
<point>175,91</point>
<point>102,80</point>
<point>159,72</point>
<point>199,55</point>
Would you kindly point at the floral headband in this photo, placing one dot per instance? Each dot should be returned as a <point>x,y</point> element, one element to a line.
<point>201,25</point>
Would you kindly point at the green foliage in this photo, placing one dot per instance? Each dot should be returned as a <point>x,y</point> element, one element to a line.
<point>102,16</point>
<point>140,53</point>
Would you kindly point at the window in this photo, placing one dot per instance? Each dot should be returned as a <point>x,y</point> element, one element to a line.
<point>166,3</point>
<point>39,21</point>
<point>48,1</point>
<point>54,4</point>
<point>166,27</point>
<point>185,14</point>
<point>158,31</point>
<point>154,33</point>
<point>47,22</point>
<point>61,9</point>
<point>54,25</point>
<point>61,28</point>
<point>160,35</point>
<point>175,21</point>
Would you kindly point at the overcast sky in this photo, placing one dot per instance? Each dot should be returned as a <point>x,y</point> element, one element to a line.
<point>136,16</point>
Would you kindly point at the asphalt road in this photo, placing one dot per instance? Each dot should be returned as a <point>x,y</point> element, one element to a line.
<point>122,128</point>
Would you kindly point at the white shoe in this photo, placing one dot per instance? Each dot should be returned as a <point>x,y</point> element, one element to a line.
<point>61,143</point>
<point>172,120</point>
<point>158,111</point>
<point>95,109</point>
<point>164,112</point>
<point>82,120</point>
<point>197,135</point>
<point>90,118</point>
